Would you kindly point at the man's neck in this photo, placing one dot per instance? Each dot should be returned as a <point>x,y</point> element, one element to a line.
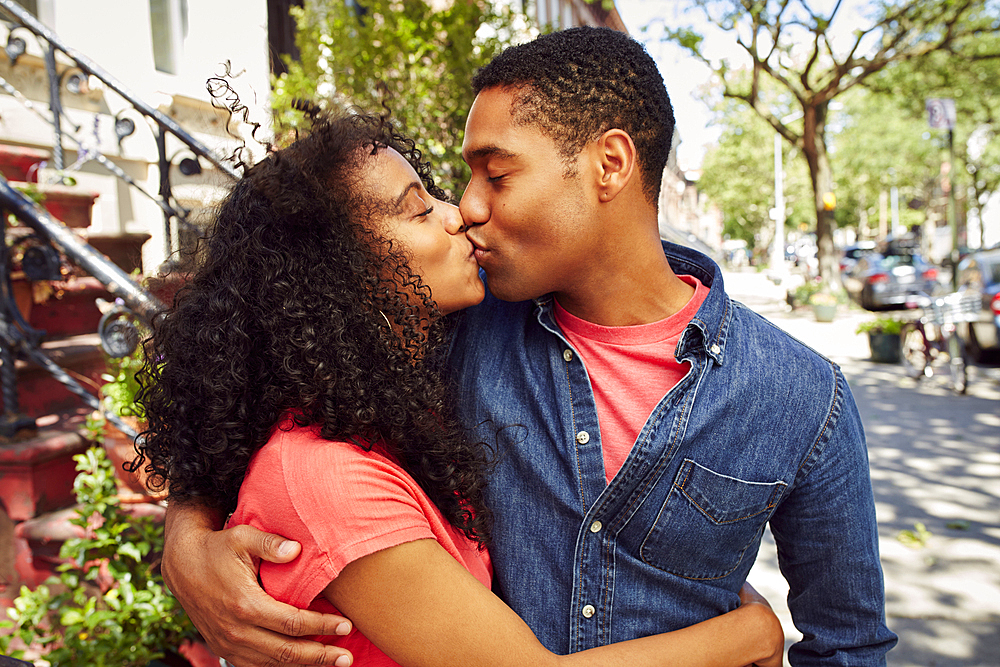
<point>635,288</point>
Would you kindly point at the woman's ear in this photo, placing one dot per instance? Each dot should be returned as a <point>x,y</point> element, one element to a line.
<point>615,157</point>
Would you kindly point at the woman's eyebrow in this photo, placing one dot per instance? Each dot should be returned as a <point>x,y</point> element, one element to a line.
<point>406,191</point>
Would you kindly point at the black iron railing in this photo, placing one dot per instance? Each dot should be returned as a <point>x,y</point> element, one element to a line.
<point>117,330</point>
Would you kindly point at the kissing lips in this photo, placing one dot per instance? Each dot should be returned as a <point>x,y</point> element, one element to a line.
<point>479,252</point>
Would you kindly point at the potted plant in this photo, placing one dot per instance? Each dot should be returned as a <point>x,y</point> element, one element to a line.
<point>824,306</point>
<point>800,295</point>
<point>883,338</point>
<point>108,605</point>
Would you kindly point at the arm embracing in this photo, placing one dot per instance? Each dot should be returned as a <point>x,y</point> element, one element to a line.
<point>213,573</point>
<point>827,541</point>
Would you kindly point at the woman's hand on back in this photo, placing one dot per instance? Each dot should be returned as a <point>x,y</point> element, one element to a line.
<point>214,575</point>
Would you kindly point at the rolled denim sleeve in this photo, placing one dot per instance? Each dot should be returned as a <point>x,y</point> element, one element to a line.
<point>827,541</point>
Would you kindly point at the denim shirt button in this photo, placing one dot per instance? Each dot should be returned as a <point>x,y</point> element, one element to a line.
<point>589,611</point>
<point>583,437</point>
<point>715,349</point>
<point>596,527</point>
<point>568,355</point>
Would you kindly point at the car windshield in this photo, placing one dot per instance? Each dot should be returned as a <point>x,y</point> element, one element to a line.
<point>892,261</point>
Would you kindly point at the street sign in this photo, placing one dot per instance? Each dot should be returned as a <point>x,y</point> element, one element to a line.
<point>941,113</point>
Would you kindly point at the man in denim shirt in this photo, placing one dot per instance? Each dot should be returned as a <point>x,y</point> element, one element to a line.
<point>631,503</point>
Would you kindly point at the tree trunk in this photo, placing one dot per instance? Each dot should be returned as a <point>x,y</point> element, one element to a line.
<point>814,148</point>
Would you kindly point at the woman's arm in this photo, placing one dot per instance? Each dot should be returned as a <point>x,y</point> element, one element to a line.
<point>214,575</point>
<point>422,608</point>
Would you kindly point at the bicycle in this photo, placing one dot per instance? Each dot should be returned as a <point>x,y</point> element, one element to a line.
<point>932,336</point>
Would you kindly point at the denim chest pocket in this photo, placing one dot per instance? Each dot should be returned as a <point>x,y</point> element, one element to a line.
<point>707,522</point>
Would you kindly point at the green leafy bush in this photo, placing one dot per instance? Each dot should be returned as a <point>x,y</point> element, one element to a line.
<point>880,325</point>
<point>108,606</point>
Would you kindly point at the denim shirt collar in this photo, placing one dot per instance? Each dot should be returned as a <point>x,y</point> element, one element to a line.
<point>707,331</point>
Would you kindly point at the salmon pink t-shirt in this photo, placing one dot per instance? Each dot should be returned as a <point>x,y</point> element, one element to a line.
<point>340,503</point>
<point>631,369</point>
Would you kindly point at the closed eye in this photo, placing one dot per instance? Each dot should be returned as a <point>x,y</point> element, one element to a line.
<point>425,213</point>
<point>494,179</point>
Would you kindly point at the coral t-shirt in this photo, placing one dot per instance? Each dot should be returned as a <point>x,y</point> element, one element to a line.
<point>631,369</point>
<point>340,503</point>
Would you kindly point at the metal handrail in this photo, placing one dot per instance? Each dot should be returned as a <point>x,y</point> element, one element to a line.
<point>16,335</point>
<point>93,69</point>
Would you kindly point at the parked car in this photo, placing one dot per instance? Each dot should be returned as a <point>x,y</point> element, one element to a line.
<point>980,271</point>
<point>889,277</point>
<point>853,253</point>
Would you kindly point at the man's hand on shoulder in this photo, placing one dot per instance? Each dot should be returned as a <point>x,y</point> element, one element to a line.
<point>213,573</point>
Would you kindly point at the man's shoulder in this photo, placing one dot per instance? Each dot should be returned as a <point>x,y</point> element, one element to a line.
<point>758,341</point>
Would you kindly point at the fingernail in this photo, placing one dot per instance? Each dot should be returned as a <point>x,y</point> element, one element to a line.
<point>343,629</point>
<point>343,661</point>
<point>285,548</point>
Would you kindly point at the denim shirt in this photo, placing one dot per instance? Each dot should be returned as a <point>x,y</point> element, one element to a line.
<point>761,429</point>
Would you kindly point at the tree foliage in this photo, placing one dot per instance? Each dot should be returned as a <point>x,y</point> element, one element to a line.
<point>411,57</point>
<point>880,146</point>
<point>971,80</point>
<point>738,176</point>
<point>790,44</point>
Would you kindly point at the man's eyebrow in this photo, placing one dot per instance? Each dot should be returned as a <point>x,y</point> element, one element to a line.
<point>412,186</point>
<point>488,152</point>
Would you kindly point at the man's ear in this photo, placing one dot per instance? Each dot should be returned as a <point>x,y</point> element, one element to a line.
<point>616,163</point>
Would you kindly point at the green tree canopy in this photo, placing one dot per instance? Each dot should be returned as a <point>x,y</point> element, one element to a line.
<point>412,57</point>
<point>738,176</point>
<point>970,79</point>
<point>791,44</point>
<point>880,146</point>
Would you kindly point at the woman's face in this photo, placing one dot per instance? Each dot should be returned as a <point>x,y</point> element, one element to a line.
<point>430,230</point>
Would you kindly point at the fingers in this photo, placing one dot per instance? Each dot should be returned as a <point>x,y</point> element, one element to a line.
<point>284,652</point>
<point>265,546</point>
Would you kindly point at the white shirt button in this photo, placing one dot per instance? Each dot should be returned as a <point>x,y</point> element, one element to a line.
<point>583,437</point>
<point>716,349</point>
<point>596,527</point>
<point>589,611</point>
<point>568,355</point>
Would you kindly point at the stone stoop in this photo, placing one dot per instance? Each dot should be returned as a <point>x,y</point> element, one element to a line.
<point>37,542</point>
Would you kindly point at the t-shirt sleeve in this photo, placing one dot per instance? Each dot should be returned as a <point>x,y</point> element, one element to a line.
<point>338,501</point>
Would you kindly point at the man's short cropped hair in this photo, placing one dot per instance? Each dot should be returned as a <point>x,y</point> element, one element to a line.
<point>576,84</point>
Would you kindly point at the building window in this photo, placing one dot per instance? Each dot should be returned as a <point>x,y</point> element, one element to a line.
<point>168,20</point>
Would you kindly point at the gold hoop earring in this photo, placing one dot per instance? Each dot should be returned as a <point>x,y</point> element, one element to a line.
<point>387,322</point>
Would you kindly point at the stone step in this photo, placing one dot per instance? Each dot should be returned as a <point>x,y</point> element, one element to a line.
<point>37,468</point>
<point>19,163</point>
<point>39,393</point>
<point>37,541</point>
<point>69,307</point>
<point>70,204</point>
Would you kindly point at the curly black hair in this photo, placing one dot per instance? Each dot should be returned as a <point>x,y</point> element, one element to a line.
<point>286,314</point>
<point>576,84</point>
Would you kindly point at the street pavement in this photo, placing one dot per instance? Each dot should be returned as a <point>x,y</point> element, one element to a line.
<point>935,462</point>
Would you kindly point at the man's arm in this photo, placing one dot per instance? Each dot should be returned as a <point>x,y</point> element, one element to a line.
<point>827,541</point>
<point>213,573</point>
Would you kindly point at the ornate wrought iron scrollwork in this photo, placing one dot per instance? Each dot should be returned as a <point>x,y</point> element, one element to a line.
<point>41,262</point>
<point>118,331</point>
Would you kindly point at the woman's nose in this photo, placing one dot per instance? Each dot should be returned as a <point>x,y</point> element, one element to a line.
<point>453,223</point>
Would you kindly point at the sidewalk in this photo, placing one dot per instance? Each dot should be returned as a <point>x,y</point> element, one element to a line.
<point>935,460</point>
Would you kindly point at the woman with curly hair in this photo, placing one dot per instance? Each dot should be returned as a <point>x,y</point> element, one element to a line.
<point>296,383</point>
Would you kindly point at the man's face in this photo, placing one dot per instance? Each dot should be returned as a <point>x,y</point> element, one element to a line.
<point>528,221</point>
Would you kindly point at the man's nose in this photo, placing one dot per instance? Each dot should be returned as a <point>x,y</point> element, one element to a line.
<point>473,208</point>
